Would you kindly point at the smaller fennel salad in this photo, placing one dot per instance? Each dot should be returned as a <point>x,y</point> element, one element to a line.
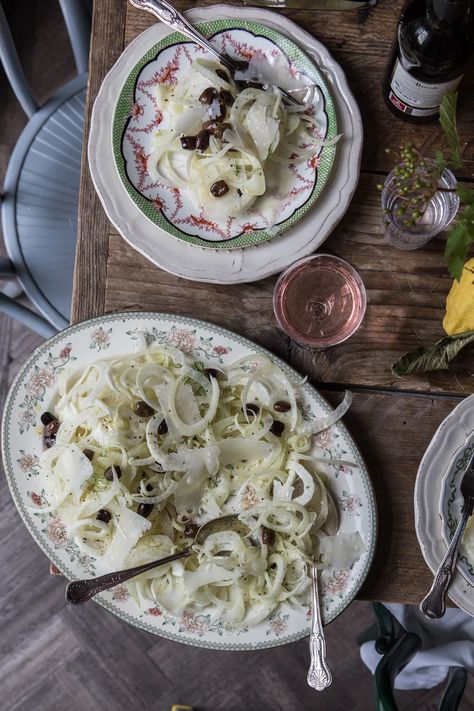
<point>144,449</point>
<point>229,141</point>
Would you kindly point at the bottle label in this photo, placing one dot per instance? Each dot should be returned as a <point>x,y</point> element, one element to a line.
<point>415,97</point>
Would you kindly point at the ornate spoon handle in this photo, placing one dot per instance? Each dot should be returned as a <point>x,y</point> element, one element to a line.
<point>82,590</point>
<point>319,676</point>
<point>434,604</point>
<point>171,17</point>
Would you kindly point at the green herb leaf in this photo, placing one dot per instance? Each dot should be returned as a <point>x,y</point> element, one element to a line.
<point>460,238</point>
<point>447,119</point>
<point>440,161</point>
<point>466,195</point>
<point>435,357</point>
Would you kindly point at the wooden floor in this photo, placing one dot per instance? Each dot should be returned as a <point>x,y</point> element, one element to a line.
<point>54,657</point>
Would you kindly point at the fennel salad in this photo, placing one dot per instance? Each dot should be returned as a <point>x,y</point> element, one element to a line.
<point>144,449</point>
<point>230,141</point>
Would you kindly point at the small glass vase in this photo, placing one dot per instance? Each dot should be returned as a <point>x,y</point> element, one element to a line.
<point>439,213</point>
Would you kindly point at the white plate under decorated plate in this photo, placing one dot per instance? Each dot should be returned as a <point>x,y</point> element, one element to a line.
<point>140,114</point>
<point>117,334</point>
<point>222,264</point>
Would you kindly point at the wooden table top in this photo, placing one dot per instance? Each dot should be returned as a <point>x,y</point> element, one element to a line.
<point>392,420</point>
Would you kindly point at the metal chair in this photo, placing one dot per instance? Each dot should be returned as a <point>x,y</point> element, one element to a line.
<point>39,203</point>
<point>397,648</point>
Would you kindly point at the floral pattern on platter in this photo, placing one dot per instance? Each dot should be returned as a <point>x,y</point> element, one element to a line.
<point>350,502</point>
<point>333,585</point>
<point>277,623</point>
<point>124,333</point>
<point>55,530</point>
<point>195,623</point>
<point>28,463</point>
<point>100,339</point>
<point>42,378</point>
<point>184,339</point>
<point>120,593</point>
<point>142,114</point>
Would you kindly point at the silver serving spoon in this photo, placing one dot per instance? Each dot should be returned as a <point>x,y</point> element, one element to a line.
<point>82,590</point>
<point>319,676</point>
<point>434,604</point>
<point>171,17</point>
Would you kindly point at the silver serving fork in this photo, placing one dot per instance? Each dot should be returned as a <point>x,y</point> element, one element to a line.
<point>434,604</point>
<point>174,19</point>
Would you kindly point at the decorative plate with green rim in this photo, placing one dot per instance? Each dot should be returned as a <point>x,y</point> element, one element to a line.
<point>443,452</point>
<point>34,391</point>
<point>450,503</point>
<point>139,115</point>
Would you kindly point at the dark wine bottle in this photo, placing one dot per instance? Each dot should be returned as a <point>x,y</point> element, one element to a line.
<point>432,48</point>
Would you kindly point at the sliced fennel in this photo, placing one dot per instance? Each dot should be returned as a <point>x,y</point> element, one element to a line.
<point>247,135</point>
<point>206,450</point>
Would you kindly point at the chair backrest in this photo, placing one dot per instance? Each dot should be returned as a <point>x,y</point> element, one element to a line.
<point>398,647</point>
<point>77,19</point>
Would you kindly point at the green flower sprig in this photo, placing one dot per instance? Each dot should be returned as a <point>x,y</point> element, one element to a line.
<point>417,181</point>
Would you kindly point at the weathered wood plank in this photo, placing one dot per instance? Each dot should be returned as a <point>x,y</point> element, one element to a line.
<point>93,226</point>
<point>406,303</point>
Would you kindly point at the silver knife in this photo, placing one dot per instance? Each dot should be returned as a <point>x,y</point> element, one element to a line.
<point>314,4</point>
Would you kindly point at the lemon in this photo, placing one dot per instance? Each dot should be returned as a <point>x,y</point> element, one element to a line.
<point>459,316</point>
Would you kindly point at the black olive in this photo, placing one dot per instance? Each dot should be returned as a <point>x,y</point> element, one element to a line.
<point>52,427</point>
<point>149,487</point>
<point>251,409</point>
<point>103,515</point>
<point>208,95</point>
<point>162,428</point>
<point>191,529</point>
<point>144,510</point>
<point>219,188</point>
<point>277,428</point>
<point>222,111</point>
<point>222,74</point>
<point>282,406</point>
<point>88,453</point>
<point>109,475</point>
<point>220,130</point>
<point>298,488</point>
<point>188,143</point>
<point>202,140</point>
<point>216,129</point>
<point>49,441</point>
<point>47,417</point>
<point>142,409</point>
<point>268,536</point>
<point>211,373</point>
<point>226,97</point>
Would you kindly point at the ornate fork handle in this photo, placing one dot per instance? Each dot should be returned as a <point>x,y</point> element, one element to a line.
<point>319,676</point>
<point>434,604</point>
<point>171,17</point>
<point>82,590</point>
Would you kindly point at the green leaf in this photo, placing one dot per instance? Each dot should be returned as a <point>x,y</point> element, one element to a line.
<point>435,357</point>
<point>456,241</point>
<point>455,266</point>
<point>466,195</point>
<point>440,161</point>
<point>447,119</point>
